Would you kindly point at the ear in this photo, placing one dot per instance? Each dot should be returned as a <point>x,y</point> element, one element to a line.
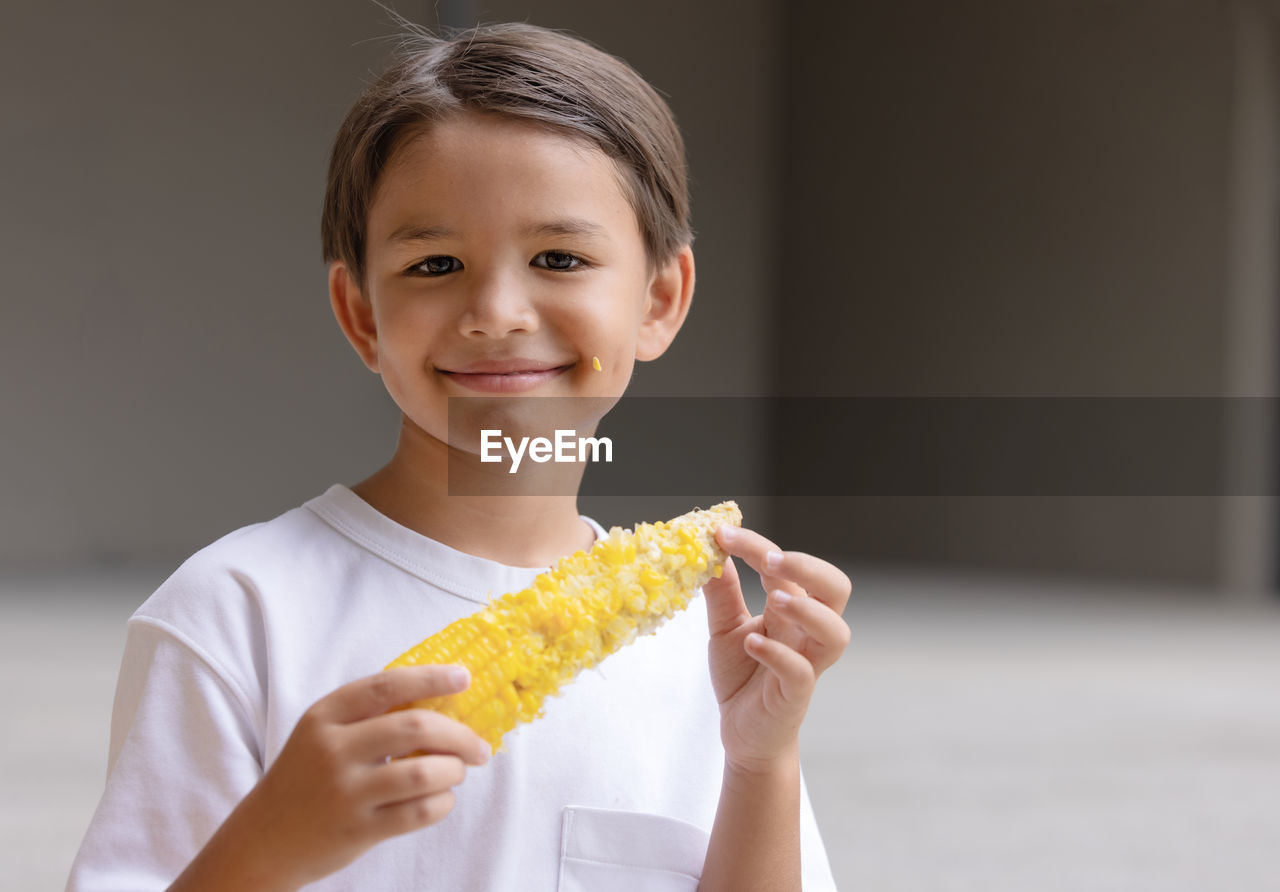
<point>354,313</point>
<point>666,305</point>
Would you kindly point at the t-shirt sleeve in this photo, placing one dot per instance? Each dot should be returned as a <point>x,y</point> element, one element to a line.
<point>183,753</point>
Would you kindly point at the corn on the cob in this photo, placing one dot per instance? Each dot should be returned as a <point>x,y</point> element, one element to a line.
<point>526,645</point>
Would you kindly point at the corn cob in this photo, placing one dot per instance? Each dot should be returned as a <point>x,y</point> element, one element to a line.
<point>526,645</point>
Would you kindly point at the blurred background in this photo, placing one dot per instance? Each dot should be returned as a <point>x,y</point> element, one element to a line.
<point>892,198</point>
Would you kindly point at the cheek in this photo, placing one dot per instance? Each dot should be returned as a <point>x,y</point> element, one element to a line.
<point>616,367</point>
<point>393,380</point>
<point>404,362</point>
<point>407,331</point>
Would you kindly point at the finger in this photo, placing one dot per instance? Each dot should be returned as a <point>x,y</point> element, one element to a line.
<point>726,606</point>
<point>818,578</point>
<point>412,814</point>
<point>415,730</point>
<point>752,548</point>
<point>795,674</point>
<point>414,778</point>
<point>827,632</point>
<point>794,571</point>
<point>375,694</point>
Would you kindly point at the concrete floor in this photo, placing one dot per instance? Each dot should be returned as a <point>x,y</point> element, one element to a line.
<point>979,735</point>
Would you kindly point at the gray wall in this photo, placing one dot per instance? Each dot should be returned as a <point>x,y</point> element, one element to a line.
<point>170,364</point>
<point>1008,199</point>
<point>891,198</point>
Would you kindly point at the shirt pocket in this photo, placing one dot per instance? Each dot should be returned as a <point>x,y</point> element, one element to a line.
<point>625,851</point>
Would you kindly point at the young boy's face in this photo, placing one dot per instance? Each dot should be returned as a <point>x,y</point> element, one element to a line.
<point>502,259</point>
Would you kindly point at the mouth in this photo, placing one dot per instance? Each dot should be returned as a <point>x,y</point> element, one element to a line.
<point>505,376</point>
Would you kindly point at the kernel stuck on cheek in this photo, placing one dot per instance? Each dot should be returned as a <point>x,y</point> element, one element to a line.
<point>595,363</point>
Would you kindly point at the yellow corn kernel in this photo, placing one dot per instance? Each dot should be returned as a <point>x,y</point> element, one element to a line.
<point>526,645</point>
<point>595,363</point>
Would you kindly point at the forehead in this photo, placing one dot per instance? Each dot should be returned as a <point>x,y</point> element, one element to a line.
<point>484,171</point>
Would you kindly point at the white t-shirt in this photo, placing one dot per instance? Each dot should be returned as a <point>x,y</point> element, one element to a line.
<point>615,788</point>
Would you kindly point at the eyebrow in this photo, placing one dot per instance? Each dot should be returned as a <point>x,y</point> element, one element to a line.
<point>569,226</point>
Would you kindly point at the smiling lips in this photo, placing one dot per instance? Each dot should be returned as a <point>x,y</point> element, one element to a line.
<point>504,376</point>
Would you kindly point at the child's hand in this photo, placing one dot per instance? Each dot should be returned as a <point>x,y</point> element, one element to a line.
<point>337,787</point>
<point>764,668</point>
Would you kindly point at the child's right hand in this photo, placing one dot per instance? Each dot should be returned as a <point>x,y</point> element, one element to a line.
<point>337,787</point>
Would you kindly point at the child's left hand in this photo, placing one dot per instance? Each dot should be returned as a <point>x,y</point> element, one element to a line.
<point>764,668</point>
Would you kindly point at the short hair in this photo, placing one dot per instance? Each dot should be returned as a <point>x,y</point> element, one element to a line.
<point>533,74</point>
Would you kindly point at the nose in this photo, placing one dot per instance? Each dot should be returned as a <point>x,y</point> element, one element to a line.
<point>497,307</point>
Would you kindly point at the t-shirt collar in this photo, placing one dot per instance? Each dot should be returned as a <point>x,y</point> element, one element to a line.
<point>466,575</point>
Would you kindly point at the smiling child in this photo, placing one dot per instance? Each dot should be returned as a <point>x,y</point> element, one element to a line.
<point>507,217</point>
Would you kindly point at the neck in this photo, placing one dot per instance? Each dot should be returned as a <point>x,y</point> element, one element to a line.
<point>446,494</point>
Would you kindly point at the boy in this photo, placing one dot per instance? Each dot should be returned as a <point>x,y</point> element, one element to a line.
<point>504,209</point>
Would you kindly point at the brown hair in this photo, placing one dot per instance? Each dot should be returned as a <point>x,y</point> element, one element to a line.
<point>538,75</point>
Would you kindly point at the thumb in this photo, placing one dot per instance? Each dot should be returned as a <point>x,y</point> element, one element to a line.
<point>400,686</point>
<point>726,607</point>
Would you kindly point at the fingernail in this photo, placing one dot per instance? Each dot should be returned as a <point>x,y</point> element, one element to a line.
<point>781,598</point>
<point>772,560</point>
<point>728,532</point>
<point>459,677</point>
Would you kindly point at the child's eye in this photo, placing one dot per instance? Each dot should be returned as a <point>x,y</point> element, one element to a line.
<point>560,260</point>
<point>437,265</point>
